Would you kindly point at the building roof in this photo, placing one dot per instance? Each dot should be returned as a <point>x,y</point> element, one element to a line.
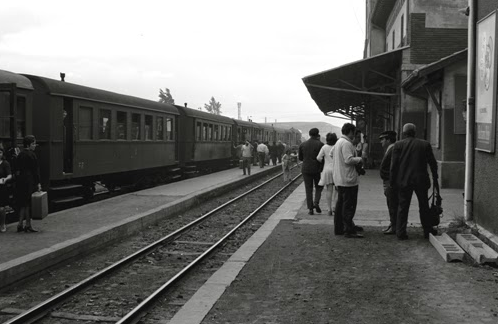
<point>347,88</point>
<point>419,76</point>
<point>381,12</point>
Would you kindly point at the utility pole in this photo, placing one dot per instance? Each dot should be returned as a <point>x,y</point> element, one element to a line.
<point>239,104</point>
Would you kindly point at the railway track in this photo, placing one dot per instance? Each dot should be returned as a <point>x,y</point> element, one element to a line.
<point>189,242</point>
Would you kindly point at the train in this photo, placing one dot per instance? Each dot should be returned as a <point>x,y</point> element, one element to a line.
<point>88,135</point>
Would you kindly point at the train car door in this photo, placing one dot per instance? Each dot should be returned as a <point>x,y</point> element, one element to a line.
<point>67,136</point>
<point>8,121</point>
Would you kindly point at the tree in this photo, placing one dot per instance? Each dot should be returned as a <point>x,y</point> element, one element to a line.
<point>213,107</point>
<point>166,97</point>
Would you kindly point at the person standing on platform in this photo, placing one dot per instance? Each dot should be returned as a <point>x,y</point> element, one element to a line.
<point>280,151</point>
<point>273,153</point>
<point>409,174</point>
<point>286,165</point>
<point>387,139</point>
<point>311,169</point>
<point>27,182</point>
<point>5,176</point>
<point>247,151</point>
<point>327,177</point>
<point>255,155</point>
<point>262,152</point>
<point>345,175</point>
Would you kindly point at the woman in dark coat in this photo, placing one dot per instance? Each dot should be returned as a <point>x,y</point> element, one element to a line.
<point>5,176</point>
<point>27,182</point>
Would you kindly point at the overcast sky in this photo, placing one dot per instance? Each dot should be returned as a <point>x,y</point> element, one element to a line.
<point>254,52</point>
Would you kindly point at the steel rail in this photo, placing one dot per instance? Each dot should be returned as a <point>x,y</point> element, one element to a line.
<point>135,315</point>
<point>40,310</point>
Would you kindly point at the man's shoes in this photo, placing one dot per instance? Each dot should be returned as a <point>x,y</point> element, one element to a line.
<point>353,235</point>
<point>388,228</point>
<point>403,237</point>
<point>3,229</point>
<point>390,231</point>
<point>20,228</point>
<point>431,231</point>
<point>358,228</point>
<point>311,212</point>
<point>318,210</point>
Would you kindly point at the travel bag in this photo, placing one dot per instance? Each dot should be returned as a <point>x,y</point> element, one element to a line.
<point>39,205</point>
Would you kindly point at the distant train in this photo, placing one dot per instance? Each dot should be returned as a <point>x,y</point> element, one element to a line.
<point>87,135</point>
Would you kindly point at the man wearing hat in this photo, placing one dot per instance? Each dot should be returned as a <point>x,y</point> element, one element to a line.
<point>311,169</point>
<point>387,139</point>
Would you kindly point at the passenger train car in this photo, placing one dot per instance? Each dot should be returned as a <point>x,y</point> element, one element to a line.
<point>88,135</point>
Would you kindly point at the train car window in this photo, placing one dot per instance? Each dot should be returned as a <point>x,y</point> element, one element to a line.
<point>169,129</point>
<point>216,133</point>
<point>104,124</point>
<point>159,128</point>
<point>85,129</point>
<point>204,132</point>
<point>136,121</point>
<point>121,126</point>
<point>210,132</point>
<point>199,131</point>
<point>21,117</point>
<point>239,138</point>
<point>148,128</point>
<point>4,114</point>
<point>223,133</point>
<point>229,133</point>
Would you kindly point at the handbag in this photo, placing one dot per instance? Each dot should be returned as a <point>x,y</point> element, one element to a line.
<point>435,211</point>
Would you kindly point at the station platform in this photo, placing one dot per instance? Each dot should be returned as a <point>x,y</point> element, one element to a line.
<point>295,270</point>
<point>68,233</point>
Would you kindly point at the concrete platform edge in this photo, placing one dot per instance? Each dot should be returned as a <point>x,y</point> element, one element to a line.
<point>197,307</point>
<point>485,235</point>
<point>33,263</point>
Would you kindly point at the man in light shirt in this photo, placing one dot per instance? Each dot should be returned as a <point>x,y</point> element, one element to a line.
<point>262,152</point>
<point>346,181</point>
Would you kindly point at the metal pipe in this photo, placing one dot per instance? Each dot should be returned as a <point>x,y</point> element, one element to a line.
<point>469,140</point>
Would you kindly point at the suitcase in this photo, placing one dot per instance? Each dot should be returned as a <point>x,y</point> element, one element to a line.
<point>39,205</point>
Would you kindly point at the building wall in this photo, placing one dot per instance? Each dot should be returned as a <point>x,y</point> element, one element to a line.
<point>486,164</point>
<point>441,13</point>
<point>431,44</point>
<point>398,16</point>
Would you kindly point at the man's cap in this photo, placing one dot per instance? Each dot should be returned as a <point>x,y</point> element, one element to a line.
<point>314,132</point>
<point>387,134</point>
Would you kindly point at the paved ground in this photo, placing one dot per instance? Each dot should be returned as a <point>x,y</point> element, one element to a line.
<point>302,273</point>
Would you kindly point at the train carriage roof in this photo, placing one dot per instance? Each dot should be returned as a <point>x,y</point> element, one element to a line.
<point>246,123</point>
<point>281,130</point>
<point>266,126</point>
<point>195,113</point>
<point>66,89</point>
<point>20,80</point>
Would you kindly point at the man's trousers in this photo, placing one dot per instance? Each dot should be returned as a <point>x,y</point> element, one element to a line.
<point>309,180</point>
<point>345,208</point>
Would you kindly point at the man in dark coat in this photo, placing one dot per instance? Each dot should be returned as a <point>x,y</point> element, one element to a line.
<point>280,151</point>
<point>387,139</point>
<point>311,169</point>
<point>409,174</point>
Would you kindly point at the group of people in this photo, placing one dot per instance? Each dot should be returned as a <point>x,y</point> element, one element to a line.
<point>26,179</point>
<point>337,166</point>
<point>262,153</point>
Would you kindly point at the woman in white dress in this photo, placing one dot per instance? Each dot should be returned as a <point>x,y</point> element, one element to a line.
<point>326,178</point>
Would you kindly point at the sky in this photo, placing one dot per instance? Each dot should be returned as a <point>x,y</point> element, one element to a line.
<point>253,52</point>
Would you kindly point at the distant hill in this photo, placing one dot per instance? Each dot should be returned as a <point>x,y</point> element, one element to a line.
<point>304,127</point>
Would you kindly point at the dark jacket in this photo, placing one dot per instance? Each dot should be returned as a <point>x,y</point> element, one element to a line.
<point>409,163</point>
<point>308,151</point>
<point>385,165</point>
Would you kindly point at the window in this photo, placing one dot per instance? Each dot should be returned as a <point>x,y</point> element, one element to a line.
<point>393,39</point>
<point>159,128</point>
<point>216,133</point>
<point>204,132</point>
<point>121,127</point>
<point>402,29</point>
<point>169,129</point>
<point>210,132</point>
<point>199,131</point>
<point>148,128</point>
<point>136,120</point>
<point>229,133</point>
<point>85,129</point>
<point>4,114</point>
<point>21,117</point>
<point>223,133</point>
<point>104,124</point>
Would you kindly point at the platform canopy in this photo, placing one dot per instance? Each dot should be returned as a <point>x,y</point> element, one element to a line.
<point>347,90</point>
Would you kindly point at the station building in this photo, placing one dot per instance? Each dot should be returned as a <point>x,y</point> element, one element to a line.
<point>414,70</point>
<point>432,63</point>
